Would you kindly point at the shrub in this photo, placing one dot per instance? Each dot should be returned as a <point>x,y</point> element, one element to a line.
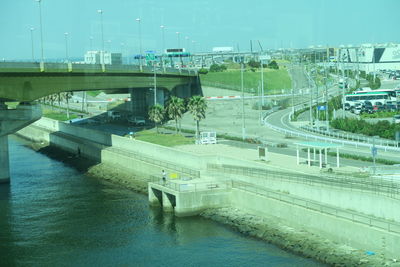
<point>203,71</point>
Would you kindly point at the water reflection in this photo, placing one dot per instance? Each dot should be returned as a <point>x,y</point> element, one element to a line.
<point>53,215</point>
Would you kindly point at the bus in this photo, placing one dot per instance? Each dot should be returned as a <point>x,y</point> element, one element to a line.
<point>394,94</point>
<point>375,98</point>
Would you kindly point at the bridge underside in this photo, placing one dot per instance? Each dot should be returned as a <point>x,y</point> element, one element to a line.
<point>25,87</point>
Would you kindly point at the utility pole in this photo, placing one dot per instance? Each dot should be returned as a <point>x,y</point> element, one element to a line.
<point>243,117</point>
<point>33,52</point>
<point>262,83</point>
<point>326,97</point>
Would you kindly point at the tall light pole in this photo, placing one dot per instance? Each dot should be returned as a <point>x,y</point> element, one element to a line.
<point>193,46</point>
<point>100,11</point>
<point>91,43</point>
<point>187,43</point>
<point>33,52</point>
<point>66,46</point>
<point>179,39</point>
<point>242,87</point>
<point>140,42</point>
<point>262,83</point>
<point>122,51</point>
<point>41,30</point>
<point>162,27</point>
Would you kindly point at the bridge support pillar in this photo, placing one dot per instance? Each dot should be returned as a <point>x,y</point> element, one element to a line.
<point>138,100</point>
<point>12,120</point>
<point>167,203</point>
<point>4,161</point>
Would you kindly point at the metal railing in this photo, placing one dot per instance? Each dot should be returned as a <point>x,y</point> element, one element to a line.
<point>326,139</point>
<point>70,67</point>
<point>192,186</point>
<point>354,137</point>
<point>380,186</point>
<point>165,164</point>
<point>370,221</point>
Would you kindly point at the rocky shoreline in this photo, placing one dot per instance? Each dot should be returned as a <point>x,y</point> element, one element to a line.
<point>130,180</point>
<point>293,240</point>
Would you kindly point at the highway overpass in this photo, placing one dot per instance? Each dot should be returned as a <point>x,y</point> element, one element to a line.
<point>25,82</point>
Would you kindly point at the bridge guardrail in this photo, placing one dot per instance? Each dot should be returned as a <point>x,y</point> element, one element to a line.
<point>75,67</point>
<point>370,221</point>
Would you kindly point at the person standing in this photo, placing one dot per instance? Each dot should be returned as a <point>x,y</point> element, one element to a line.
<point>164,176</point>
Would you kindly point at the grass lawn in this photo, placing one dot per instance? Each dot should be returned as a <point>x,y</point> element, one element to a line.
<point>56,115</point>
<point>274,80</point>
<point>163,139</point>
<point>93,93</point>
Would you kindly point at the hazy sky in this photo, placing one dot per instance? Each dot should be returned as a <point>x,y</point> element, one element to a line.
<point>278,23</point>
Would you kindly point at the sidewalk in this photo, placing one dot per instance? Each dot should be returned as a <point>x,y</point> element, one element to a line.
<point>278,162</point>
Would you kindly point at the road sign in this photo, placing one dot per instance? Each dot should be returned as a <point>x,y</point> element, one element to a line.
<point>374,151</point>
<point>321,107</point>
<point>150,57</point>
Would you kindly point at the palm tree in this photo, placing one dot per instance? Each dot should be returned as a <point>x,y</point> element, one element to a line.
<point>156,114</point>
<point>197,106</point>
<point>67,97</point>
<point>175,109</point>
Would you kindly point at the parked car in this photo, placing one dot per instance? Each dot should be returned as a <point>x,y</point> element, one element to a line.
<point>114,115</point>
<point>357,110</point>
<point>391,106</point>
<point>368,107</point>
<point>396,119</point>
<point>137,120</point>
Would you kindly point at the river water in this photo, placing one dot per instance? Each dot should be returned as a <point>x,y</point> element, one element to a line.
<point>53,215</point>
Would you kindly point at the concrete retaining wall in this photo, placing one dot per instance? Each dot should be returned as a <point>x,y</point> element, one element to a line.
<point>336,229</point>
<point>345,198</point>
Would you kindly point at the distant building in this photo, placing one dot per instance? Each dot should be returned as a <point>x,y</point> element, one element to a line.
<point>224,49</point>
<point>98,57</point>
<point>371,57</point>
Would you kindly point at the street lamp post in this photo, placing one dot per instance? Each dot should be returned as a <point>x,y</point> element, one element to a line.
<point>187,43</point>
<point>41,30</point>
<point>100,11</point>
<point>33,51</point>
<point>140,43</point>
<point>243,116</point>
<point>66,46</point>
<point>179,39</point>
<point>91,43</point>
<point>163,45</point>
<point>193,46</point>
<point>262,83</point>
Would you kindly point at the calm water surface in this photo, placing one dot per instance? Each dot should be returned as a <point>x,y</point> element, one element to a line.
<point>52,215</point>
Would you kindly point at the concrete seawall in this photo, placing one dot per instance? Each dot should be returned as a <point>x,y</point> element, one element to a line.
<point>135,163</point>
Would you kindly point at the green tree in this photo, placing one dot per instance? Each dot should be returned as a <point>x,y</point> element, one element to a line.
<point>254,64</point>
<point>175,109</point>
<point>273,65</point>
<point>197,106</point>
<point>156,114</point>
<point>217,68</point>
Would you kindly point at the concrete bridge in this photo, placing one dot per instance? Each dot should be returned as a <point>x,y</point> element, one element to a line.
<point>26,82</point>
